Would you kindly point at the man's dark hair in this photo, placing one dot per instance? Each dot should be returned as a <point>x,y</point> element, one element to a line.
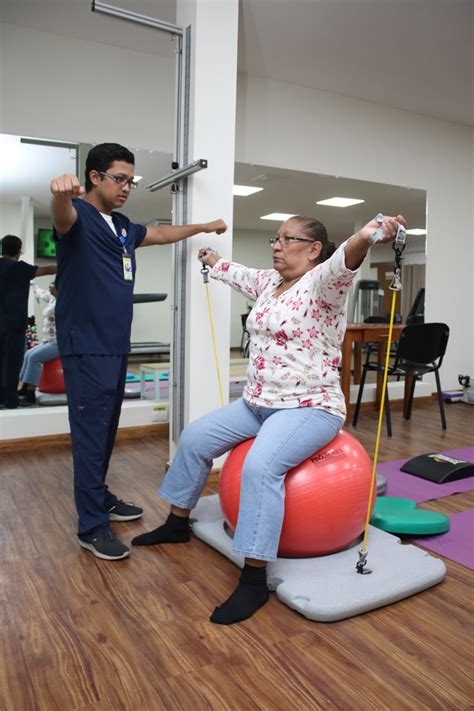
<point>11,246</point>
<point>101,157</point>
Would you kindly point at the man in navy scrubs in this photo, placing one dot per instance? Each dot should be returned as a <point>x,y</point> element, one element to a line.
<point>15,277</point>
<point>96,271</point>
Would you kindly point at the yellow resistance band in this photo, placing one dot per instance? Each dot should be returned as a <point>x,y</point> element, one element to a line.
<point>363,547</point>
<point>206,284</point>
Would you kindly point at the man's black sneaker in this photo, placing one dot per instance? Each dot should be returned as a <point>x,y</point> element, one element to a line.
<point>125,511</point>
<point>106,546</point>
<point>26,402</point>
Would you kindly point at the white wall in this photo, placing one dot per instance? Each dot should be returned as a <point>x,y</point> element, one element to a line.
<point>293,127</point>
<point>11,224</point>
<point>67,89</point>
<point>152,322</point>
<point>384,253</point>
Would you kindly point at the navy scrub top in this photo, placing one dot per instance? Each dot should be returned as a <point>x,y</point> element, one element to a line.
<point>94,306</point>
<point>15,280</point>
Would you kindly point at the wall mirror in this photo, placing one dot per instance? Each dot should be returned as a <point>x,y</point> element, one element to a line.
<point>27,169</point>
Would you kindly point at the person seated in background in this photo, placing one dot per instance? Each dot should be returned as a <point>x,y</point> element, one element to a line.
<point>43,352</point>
<point>292,403</point>
<point>15,277</point>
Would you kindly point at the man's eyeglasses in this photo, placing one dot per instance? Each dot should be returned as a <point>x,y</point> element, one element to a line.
<point>286,240</point>
<point>121,180</point>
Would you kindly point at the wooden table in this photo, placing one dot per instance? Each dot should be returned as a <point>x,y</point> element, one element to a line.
<point>358,333</point>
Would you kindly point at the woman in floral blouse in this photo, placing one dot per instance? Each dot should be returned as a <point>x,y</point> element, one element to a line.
<point>34,359</point>
<point>292,402</point>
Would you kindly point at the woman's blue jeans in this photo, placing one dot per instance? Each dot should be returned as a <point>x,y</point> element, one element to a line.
<point>284,438</point>
<point>34,359</point>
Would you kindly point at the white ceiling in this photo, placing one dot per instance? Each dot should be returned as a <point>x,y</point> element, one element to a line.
<point>415,55</point>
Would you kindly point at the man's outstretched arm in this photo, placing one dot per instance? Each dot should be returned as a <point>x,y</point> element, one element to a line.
<point>168,234</point>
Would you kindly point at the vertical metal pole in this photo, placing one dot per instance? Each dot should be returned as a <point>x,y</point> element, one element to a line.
<point>180,208</point>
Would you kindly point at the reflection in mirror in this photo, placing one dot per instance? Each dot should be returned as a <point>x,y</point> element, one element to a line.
<point>295,192</point>
<point>26,172</point>
<point>131,100</point>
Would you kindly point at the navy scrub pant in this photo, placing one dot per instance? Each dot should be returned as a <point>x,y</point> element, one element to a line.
<point>95,385</point>
<point>12,349</point>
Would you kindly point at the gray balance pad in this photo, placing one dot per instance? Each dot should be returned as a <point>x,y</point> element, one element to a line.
<point>328,588</point>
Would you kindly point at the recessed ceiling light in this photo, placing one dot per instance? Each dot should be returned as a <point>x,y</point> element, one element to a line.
<point>416,231</point>
<point>245,190</point>
<point>339,202</point>
<point>277,216</point>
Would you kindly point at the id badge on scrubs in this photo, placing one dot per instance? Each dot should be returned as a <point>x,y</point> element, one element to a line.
<point>127,268</point>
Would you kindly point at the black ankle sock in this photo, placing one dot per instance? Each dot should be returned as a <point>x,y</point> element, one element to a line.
<point>250,594</point>
<point>175,530</point>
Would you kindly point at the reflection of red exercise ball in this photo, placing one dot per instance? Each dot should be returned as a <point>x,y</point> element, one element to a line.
<point>52,377</point>
<point>326,497</point>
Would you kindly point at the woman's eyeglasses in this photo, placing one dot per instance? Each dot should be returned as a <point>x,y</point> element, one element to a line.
<point>121,180</point>
<point>286,240</point>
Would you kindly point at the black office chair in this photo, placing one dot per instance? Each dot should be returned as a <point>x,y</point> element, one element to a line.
<point>420,350</point>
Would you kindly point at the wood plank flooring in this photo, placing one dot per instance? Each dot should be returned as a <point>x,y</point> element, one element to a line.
<point>78,633</point>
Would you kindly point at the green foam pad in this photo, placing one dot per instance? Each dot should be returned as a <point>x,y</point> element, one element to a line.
<point>397,515</point>
<point>393,503</point>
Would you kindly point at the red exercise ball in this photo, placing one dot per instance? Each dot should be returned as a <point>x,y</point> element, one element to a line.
<point>326,497</point>
<point>52,377</point>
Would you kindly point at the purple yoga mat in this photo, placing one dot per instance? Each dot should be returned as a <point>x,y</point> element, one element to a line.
<point>413,487</point>
<point>457,543</point>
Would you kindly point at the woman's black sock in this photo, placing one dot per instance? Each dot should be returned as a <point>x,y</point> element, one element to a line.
<point>250,594</point>
<point>176,529</point>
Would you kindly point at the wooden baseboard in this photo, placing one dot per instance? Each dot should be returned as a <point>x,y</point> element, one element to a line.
<point>123,435</point>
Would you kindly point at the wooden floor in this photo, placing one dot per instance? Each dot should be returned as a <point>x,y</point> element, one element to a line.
<point>77,633</point>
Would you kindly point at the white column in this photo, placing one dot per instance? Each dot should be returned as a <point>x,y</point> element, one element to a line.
<point>212,136</point>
